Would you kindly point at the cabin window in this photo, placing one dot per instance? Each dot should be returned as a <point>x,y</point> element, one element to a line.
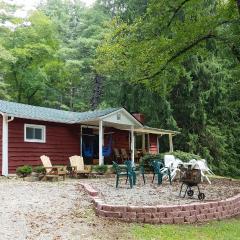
<point>34,133</point>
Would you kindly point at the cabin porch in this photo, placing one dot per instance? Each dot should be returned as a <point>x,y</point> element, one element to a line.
<point>99,144</point>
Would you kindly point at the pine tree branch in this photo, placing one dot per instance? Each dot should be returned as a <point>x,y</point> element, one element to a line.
<point>236,52</point>
<point>176,12</point>
<point>178,54</point>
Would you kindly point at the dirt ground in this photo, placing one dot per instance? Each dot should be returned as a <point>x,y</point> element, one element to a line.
<point>52,211</point>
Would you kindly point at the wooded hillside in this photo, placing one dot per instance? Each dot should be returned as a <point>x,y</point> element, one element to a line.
<point>176,61</point>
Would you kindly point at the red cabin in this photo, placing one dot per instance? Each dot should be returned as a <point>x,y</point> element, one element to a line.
<point>27,132</point>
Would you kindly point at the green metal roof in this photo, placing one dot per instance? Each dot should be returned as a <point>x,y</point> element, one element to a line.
<point>49,114</point>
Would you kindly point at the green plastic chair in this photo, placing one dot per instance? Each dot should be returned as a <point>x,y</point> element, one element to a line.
<point>135,171</point>
<point>160,171</point>
<point>123,172</point>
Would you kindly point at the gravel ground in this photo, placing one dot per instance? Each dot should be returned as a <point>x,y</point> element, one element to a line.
<point>51,211</point>
<point>63,211</point>
<point>166,194</point>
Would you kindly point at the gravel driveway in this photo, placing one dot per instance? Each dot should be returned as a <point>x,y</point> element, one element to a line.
<point>51,211</point>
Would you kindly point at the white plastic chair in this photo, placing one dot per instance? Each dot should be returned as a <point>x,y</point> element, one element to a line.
<point>169,160</point>
<point>202,165</point>
<point>172,163</point>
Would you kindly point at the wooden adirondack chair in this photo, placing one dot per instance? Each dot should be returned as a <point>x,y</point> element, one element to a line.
<point>52,171</point>
<point>77,165</point>
<point>117,155</point>
<point>124,153</point>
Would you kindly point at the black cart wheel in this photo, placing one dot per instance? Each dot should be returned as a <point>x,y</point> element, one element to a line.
<point>190,193</point>
<point>201,196</point>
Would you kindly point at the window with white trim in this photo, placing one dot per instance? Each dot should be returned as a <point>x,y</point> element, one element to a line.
<point>34,133</point>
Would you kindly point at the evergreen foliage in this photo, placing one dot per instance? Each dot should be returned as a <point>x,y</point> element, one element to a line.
<point>176,61</point>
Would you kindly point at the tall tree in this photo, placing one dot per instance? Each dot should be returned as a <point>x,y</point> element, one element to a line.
<point>33,47</point>
<point>186,54</point>
<point>80,30</point>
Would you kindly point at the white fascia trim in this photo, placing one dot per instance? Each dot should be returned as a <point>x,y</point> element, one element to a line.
<point>40,119</point>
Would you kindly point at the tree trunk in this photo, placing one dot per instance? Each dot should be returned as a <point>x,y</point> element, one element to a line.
<point>29,97</point>
<point>97,91</point>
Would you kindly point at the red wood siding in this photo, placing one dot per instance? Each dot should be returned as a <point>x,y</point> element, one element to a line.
<point>120,138</point>
<point>62,141</point>
<point>153,146</point>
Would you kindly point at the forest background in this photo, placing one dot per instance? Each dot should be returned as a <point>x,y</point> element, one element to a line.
<point>176,61</point>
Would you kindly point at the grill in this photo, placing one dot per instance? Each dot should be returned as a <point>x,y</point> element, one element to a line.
<point>191,178</point>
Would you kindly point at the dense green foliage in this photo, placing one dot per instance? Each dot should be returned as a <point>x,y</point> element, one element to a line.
<point>181,59</point>
<point>185,156</point>
<point>176,61</point>
<point>24,171</point>
<point>39,169</point>
<point>101,169</point>
<point>147,159</point>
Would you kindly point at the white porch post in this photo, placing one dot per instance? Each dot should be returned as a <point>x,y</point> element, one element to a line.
<point>101,160</point>
<point>5,145</point>
<point>143,142</point>
<point>81,152</point>
<point>170,143</point>
<point>132,144</point>
<point>157,143</point>
<point>148,143</point>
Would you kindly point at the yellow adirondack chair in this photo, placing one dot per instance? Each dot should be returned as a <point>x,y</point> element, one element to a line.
<point>124,153</point>
<point>53,171</point>
<point>117,155</point>
<point>77,165</point>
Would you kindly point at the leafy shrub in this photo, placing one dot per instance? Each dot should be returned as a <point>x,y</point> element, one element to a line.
<point>146,160</point>
<point>101,169</point>
<point>39,169</point>
<point>24,171</point>
<point>184,156</point>
<point>226,169</point>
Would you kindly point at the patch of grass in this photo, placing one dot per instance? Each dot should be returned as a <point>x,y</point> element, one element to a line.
<point>217,230</point>
<point>237,178</point>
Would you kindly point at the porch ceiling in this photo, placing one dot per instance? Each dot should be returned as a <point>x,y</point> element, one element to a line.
<point>144,129</point>
<point>108,124</point>
<point>157,131</point>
